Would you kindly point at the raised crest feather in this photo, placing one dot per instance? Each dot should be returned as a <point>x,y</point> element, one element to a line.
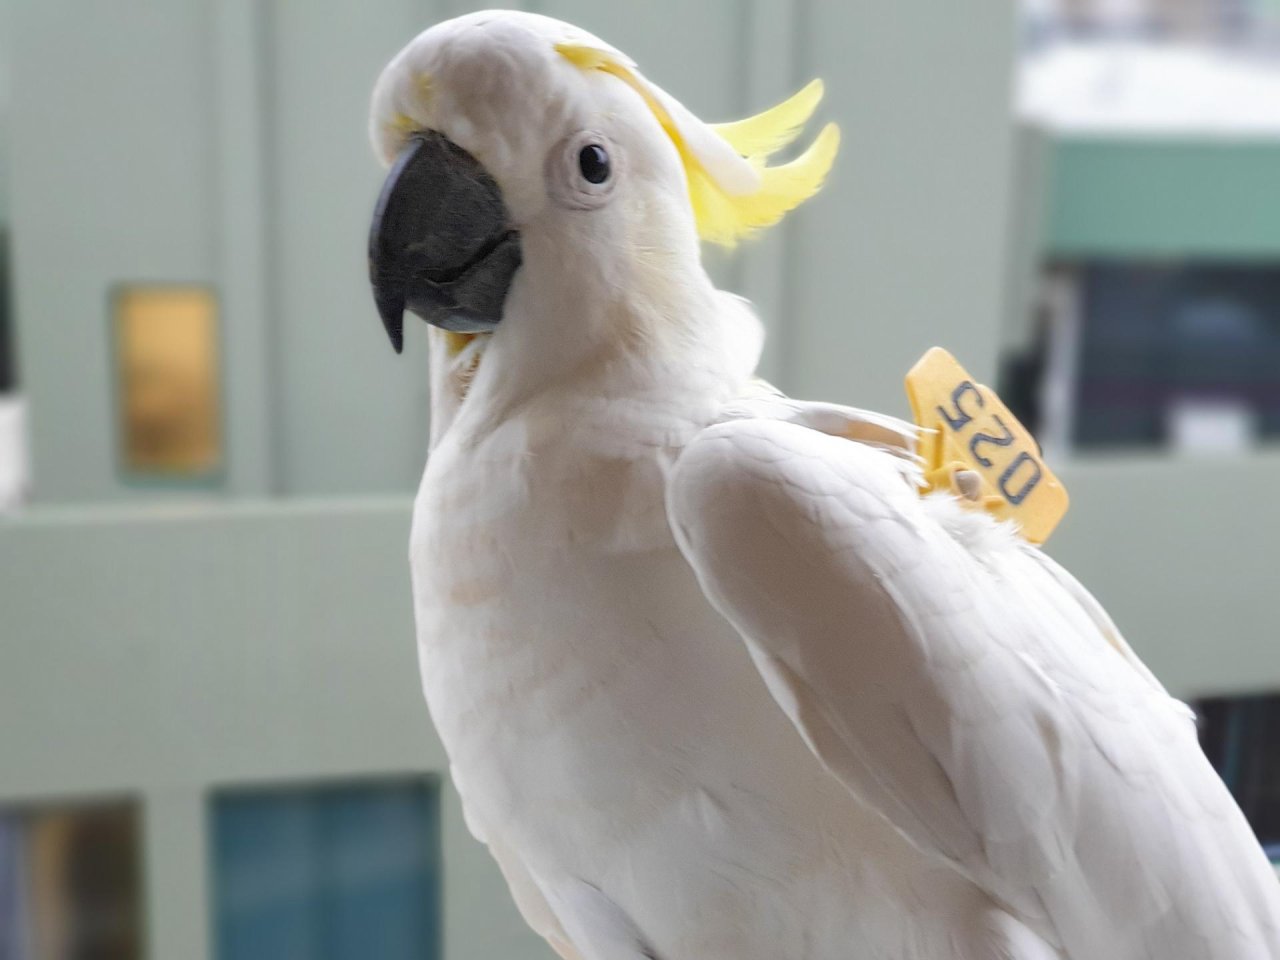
<point>778,127</point>
<point>732,189</point>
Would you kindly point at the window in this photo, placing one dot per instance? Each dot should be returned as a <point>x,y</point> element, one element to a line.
<point>70,882</point>
<point>1183,356</point>
<point>167,370</point>
<point>1239,735</point>
<point>335,872</point>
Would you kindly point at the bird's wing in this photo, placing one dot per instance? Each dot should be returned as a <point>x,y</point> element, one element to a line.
<point>962,684</point>
<point>532,902</point>
<point>526,891</point>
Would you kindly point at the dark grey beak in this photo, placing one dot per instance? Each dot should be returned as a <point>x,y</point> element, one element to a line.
<point>441,244</point>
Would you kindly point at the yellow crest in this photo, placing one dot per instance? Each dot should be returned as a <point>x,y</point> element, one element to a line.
<point>732,189</point>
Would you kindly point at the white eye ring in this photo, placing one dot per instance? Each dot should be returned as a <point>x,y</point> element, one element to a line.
<point>565,180</point>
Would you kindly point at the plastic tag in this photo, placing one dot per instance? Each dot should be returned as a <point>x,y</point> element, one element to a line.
<point>974,434</point>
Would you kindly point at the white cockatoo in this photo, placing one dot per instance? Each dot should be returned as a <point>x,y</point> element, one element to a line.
<point>715,678</point>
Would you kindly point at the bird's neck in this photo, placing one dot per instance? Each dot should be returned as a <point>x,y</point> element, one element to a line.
<point>657,338</point>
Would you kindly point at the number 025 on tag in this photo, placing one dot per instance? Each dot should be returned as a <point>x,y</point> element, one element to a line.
<point>973,430</point>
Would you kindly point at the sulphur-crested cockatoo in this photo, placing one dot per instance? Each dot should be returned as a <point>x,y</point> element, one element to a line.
<point>715,679</point>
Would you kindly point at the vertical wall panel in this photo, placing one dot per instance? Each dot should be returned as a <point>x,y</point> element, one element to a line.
<point>6,35</point>
<point>772,73</point>
<point>906,246</point>
<point>238,55</point>
<point>352,416</point>
<point>904,249</point>
<point>111,161</point>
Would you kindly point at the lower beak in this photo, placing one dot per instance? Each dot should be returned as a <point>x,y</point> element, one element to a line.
<point>441,244</point>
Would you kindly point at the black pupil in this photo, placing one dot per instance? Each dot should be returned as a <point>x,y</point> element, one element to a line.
<point>594,163</point>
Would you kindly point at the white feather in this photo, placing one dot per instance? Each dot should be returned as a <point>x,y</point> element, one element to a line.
<point>1009,783</point>
<point>954,678</point>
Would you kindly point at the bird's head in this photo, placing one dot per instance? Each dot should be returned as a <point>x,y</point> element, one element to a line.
<point>543,192</point>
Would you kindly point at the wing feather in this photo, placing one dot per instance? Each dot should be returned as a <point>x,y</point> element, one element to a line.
<point>960,682</point>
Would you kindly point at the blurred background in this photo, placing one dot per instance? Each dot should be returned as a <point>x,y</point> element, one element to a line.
<point>212,743</point>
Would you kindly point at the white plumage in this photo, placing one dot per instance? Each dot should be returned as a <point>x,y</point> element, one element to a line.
<point>714,679</point>
<point>958,681</point>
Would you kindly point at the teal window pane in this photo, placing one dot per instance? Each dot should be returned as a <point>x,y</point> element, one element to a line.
<point>328,872</point>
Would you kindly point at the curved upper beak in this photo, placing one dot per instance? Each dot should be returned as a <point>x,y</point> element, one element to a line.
<point>441,244</point>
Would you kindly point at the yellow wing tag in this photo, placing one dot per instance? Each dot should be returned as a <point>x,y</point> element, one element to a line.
<point>974,432</point>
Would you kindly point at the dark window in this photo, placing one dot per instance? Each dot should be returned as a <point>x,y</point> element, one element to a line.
<point>1148,346</point>
<point>341,872</point>
<point>1239,736</point>
<point>70,883</point>
<point>1152,335</point>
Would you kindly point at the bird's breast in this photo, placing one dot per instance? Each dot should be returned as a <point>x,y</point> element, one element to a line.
<point>568,655</point>
<point>604,722</point>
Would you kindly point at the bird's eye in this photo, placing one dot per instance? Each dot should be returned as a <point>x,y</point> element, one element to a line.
<point>593,161</point>
<point>583,170</point>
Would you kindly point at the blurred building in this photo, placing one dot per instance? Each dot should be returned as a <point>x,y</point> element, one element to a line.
<point>1148,328</point>
<point>1152,131</point>
<point>212,742</point>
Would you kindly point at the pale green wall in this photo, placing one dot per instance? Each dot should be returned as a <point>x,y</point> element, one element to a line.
<point>5,95</point>
<point>1029,205</point>
<point>906,248</point>
<point>161,651</point>
<point>162,654</point>
<point>4,165</point>
<point>159,654</point>
<point>216,141</point>
<point>350,416</point>
<point>1163,198</point>
<point>112,157</point>
<point>223,141</point>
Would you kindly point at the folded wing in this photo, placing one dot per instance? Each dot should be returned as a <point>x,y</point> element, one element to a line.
<point>960,682</point>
